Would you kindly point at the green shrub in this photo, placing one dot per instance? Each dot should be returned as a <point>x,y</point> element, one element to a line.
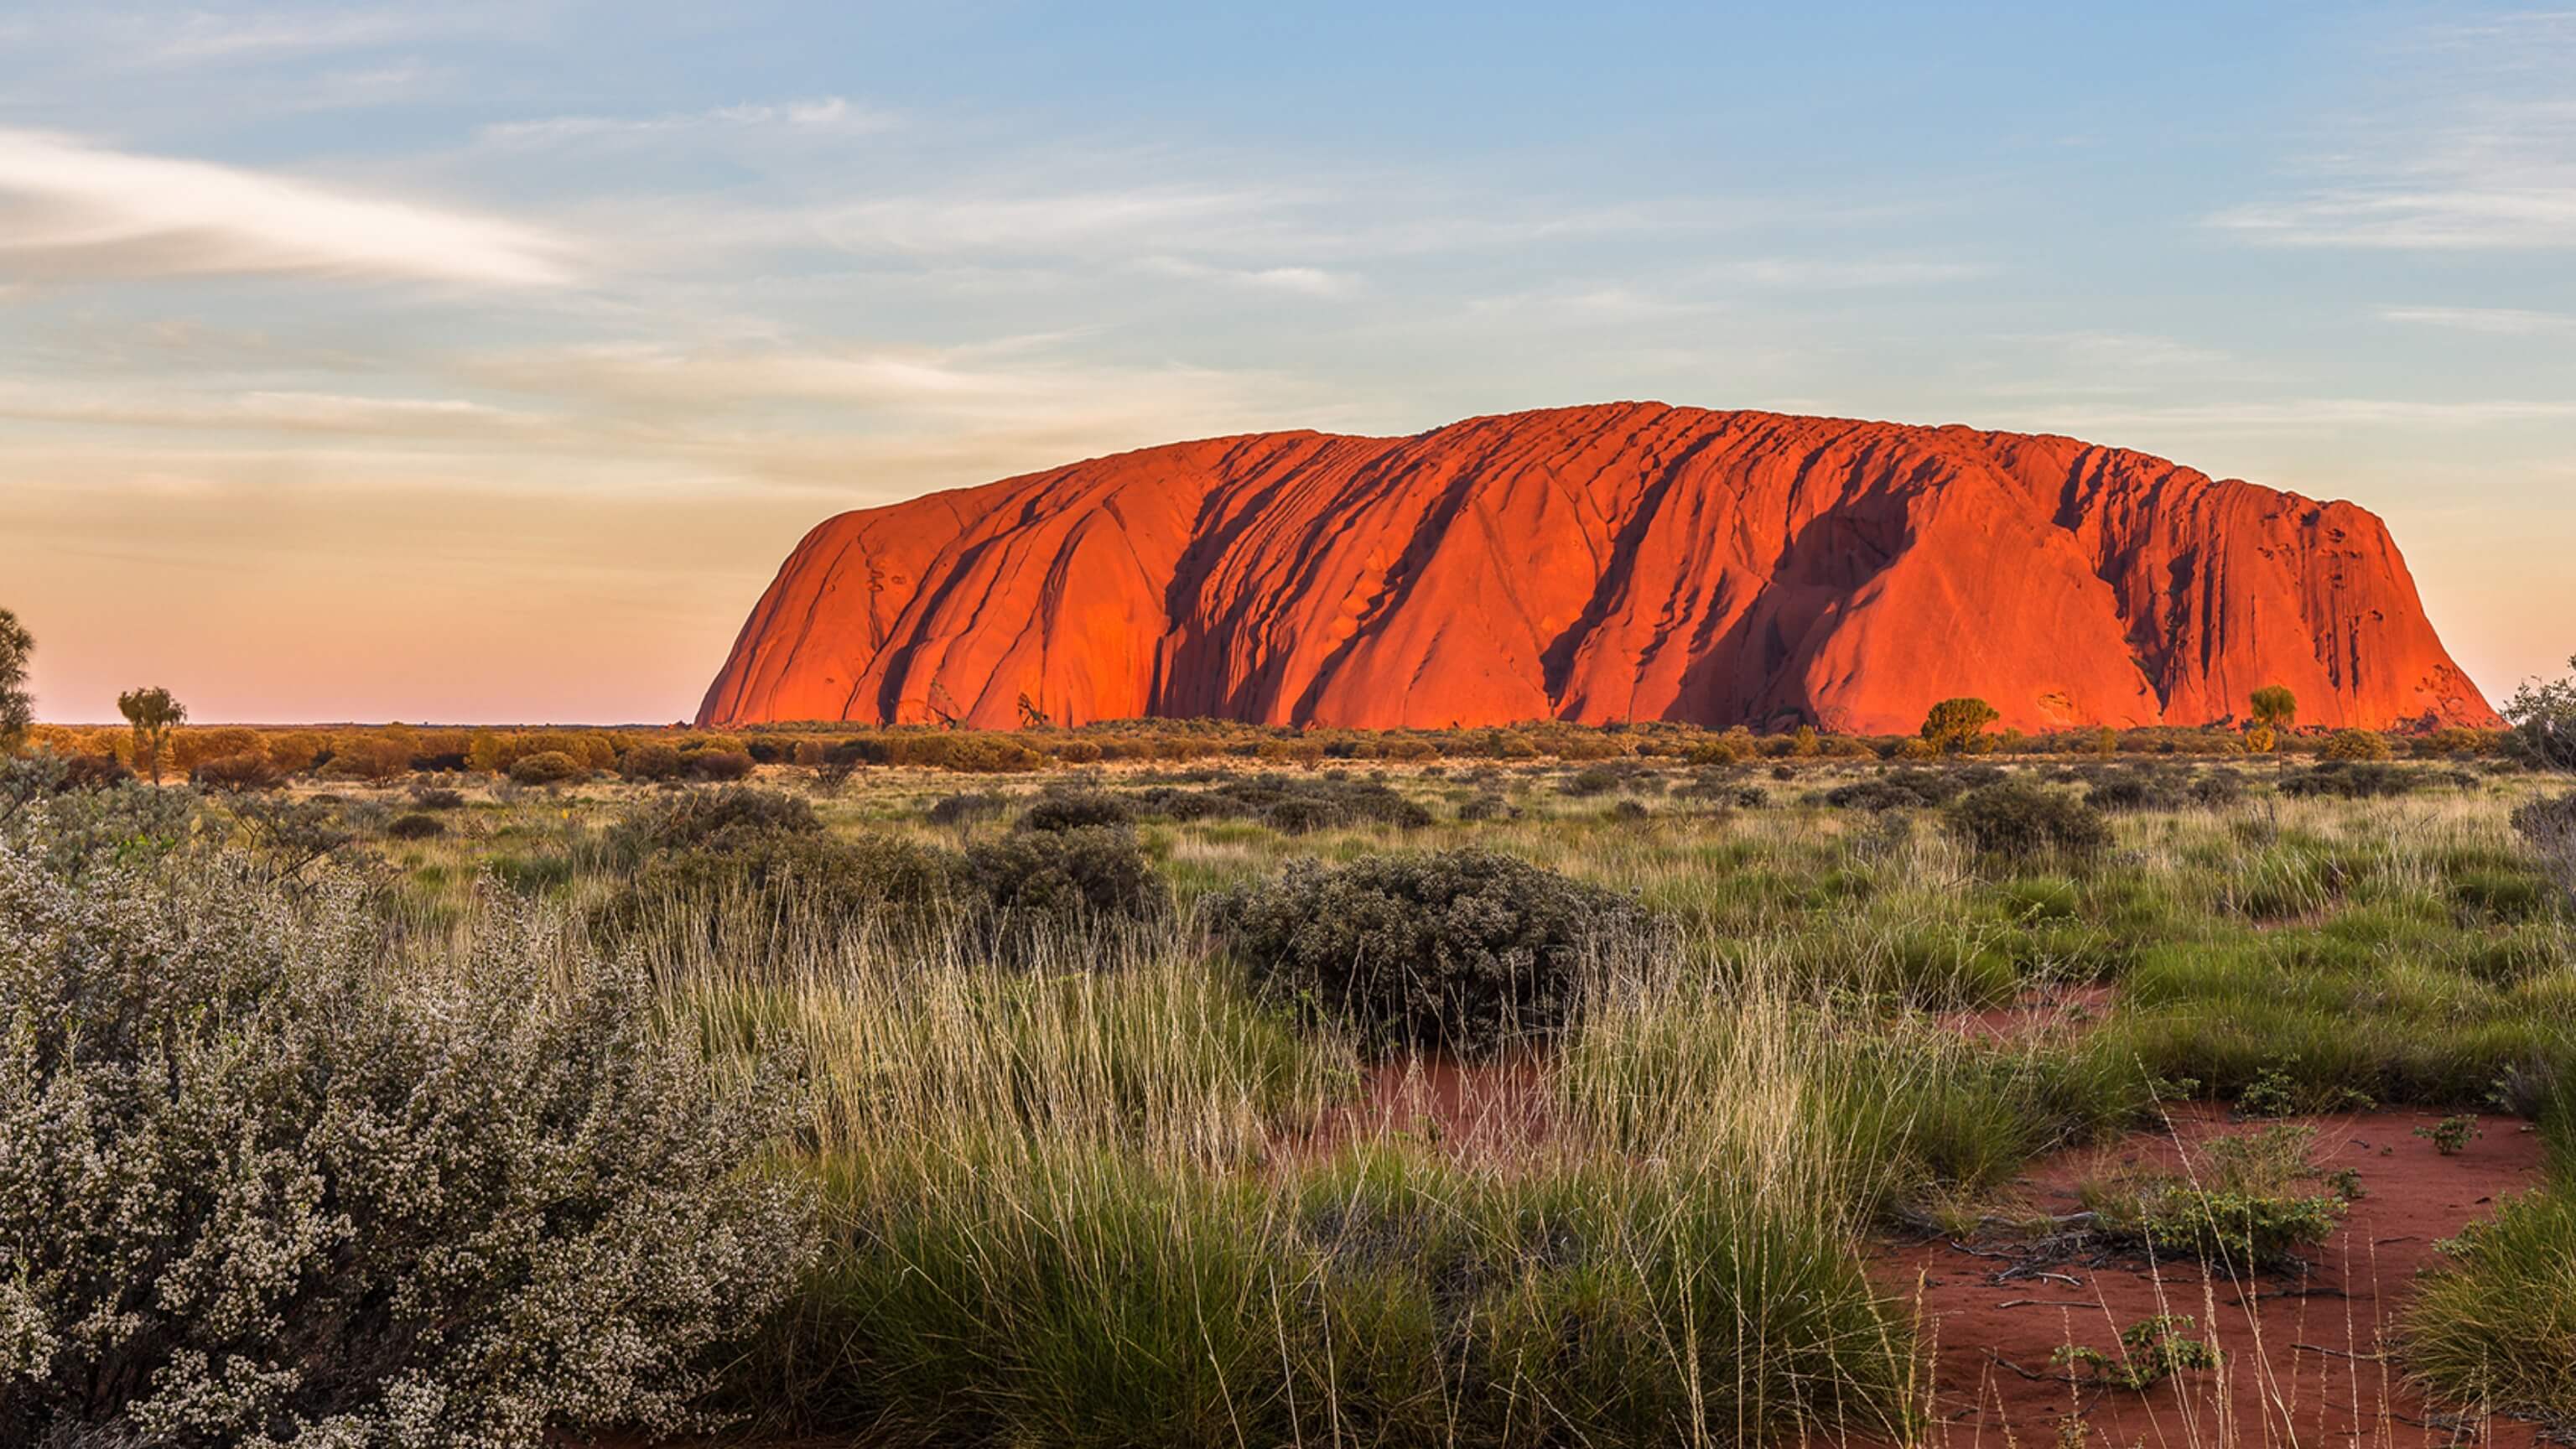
<point>2243,1206</point>
<point>2020,821</point>
<point>415,827</point>
<point>547,767</point>
<point>1075,810</point>
<point>264,1185</point>
<point>2351,778</point>
<point>1289,805</point>
<point>1467,951</point>
<point>2151,1351</point>
<point>95,772</point>
<point>1898,790</point>
<point>967,806</point>
<point>788,880</point>
<point>1070,877</point>
<point>713,818</point>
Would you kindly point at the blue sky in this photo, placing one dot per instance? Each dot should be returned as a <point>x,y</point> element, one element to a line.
<point>481,361</point>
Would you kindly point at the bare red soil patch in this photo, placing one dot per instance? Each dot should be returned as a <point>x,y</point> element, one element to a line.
<point>1467,1109</point>
<point>2305,1354</point>
<point>2050,1011</point>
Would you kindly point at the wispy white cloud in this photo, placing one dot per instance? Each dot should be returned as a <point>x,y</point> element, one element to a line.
<point>199,36</point>
<point>282,411</point>
<point>2492,321</point>
<point>831,115</point>
<point>1302,281</point>
<point>2483,159</point>
<point>72,210</point>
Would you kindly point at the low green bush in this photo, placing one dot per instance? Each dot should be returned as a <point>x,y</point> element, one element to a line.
<point>2021,821</point>
<point>2245,1205</point>
<point>1466,951</point>
<point>1070,877</point>
<point>1075,810</point>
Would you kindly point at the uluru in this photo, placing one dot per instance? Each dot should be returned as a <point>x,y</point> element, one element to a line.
<point>1628,561</point>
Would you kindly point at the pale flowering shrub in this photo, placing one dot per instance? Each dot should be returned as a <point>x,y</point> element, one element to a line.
<point>262,1182</point>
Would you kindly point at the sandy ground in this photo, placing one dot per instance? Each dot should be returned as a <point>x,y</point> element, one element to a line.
<point>2304,1353</point>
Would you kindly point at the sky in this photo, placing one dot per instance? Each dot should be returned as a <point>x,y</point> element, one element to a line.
<point>481,362</point>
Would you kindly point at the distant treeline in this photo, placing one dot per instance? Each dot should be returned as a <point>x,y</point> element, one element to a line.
<point>669,753</point>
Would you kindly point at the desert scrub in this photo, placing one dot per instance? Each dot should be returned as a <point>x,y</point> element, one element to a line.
<point>2018,821</point>
<point>1063,876</point>
<point>786,884</point>
<point>1468,951</point>
<point>2245,1204</point>
<point>265,1183</point>
<point>1380,1297</point>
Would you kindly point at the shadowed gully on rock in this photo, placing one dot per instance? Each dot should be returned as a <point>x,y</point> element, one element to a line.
<point>1628,561</point>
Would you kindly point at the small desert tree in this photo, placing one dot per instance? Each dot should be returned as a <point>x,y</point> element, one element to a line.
<point>2544,721</point>
<point>17,712</point>
<point>2275,710</point>
<point>1954,723</point>
<point>154,713</point>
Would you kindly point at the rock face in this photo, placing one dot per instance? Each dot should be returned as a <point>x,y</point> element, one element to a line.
<point>1623,562</point>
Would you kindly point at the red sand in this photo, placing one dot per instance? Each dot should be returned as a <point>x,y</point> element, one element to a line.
<point>1469,1110</point>
<point>2302,1353</point>
<point>1625,561</point>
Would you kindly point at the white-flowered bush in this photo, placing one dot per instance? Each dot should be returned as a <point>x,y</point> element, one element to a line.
<point>266,1181</point>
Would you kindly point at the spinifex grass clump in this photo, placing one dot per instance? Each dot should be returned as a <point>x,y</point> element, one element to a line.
<point>1096,1298</point>
<point>2495,1324</point>
<point>1466,951</point>
<point>1081,1209</point>
<point>266,1183</point>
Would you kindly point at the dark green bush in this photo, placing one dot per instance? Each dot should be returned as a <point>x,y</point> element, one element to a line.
<point>415,827</point>
<point>2132,792</point>
<point>1081,875</point>
<point>1466,951</point>
<point>95,772</point>
<point>967,806</point>
<point>1289,805</point>
<point>832,883</point>
<point>1897,790</point>
<point>1075,810</point>
<point>711,818</point>
<point>2354,779</point>
<point>2020,821</point>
